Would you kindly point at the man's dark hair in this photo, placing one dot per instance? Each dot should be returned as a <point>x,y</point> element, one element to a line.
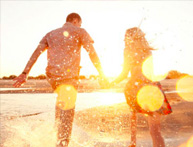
<point>72,16</point>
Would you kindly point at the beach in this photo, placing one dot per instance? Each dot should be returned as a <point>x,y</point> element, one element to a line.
<point>102,117</point>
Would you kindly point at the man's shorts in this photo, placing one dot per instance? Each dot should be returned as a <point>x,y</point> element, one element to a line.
<point>55,83</point>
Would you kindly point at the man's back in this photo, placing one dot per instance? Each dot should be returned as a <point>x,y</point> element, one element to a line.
<point>64,46</point>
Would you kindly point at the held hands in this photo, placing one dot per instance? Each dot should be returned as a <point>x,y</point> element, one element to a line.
<point>112,84</point>
<point>104,82</point>
<point>20,80</point>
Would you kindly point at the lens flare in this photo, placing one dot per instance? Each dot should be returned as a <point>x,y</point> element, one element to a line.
<point>150,98</point>
<point>66,96</point>
<point>184,88</point>
<point>148,70</point>
<point>65,33</point>
<point>189,143</point>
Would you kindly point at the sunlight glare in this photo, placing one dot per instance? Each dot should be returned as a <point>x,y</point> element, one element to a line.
<point>189,143</point>
<point>112,71</point>
<point>148,70</point>
<point>112,63</point>
<point>150,98</point>
<point>111,98</point>
<point>184,88</point>
<point>66,96</point>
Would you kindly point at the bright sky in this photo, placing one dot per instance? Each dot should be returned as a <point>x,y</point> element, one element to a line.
<point>167,24</point>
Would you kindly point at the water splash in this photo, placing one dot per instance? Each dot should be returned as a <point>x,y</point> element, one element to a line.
<point>33,132</point>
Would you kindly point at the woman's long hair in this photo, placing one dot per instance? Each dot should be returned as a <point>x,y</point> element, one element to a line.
<point>136,39</point>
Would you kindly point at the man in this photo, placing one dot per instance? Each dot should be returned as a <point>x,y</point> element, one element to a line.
<point>63,47</point>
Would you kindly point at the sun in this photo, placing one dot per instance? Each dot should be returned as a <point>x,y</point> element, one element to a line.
<point>112,70</point>
<point>148,69</point>
<point>112,64</point>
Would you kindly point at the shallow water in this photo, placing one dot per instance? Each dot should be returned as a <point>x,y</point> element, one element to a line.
<point>27,120</point>
<point>22,104</point>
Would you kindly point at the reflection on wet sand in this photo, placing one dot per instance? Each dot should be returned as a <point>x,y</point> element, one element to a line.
<point>102,119</point>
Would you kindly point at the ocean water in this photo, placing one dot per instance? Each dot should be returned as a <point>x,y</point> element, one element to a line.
<point>27,120</point>
<point>23,104</point>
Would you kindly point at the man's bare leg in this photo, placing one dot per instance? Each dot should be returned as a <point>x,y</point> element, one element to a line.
<point>64,113</point>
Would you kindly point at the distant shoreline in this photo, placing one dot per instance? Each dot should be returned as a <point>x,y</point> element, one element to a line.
<point>85,86</point>
<point>42,86</point>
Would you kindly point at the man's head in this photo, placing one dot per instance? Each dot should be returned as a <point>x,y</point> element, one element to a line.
<point>75,19</point>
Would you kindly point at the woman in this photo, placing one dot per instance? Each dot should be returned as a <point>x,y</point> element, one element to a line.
<point>136,51</point>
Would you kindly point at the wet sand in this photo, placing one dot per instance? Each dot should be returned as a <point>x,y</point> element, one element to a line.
<point>112,123</point>
<point>101,126</point>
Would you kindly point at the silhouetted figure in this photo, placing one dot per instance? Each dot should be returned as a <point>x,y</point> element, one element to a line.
<point>63,47</point>
<point>136,51</point>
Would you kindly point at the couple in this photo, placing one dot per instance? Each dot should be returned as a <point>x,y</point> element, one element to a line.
<point>63,56</point>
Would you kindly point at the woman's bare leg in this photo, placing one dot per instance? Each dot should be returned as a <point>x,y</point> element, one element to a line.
<point>155,130</point>
<point>133,129</point>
